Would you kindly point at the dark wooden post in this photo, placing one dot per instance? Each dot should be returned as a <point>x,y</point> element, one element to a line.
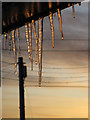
<point>21,88</point>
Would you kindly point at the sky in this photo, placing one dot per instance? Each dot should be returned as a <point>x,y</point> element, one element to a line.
<point>64,74</point>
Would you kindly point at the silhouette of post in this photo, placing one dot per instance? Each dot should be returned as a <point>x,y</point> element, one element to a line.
<point>22,74</point>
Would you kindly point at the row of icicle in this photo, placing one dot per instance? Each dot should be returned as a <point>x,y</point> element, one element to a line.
<point>38,40</point>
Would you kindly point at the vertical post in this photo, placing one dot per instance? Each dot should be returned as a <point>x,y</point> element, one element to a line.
<point>21,89</point>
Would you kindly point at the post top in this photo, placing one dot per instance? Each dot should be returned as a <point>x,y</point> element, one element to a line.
<point>20,60</point>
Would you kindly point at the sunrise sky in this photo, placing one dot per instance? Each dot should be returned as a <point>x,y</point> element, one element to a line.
<point>65,72</point>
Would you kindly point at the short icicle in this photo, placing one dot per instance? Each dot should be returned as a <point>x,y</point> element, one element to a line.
<point>73,10</point>
<point>60,22</point>
<point>5,35</point>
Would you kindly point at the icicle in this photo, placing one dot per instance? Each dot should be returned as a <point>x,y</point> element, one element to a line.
<point>68,4</point>
<point>32,9</point>
<point>50,5</point>
<point>26,32</point>
<point>51,23</point>
<point>52,27</point>
<point>13,40</point>
<point>11,43</point>
<point>40,49</point>
<point>16,64</point>
<point>35,41</point>
<point>38,42</point>
<point>14,50</point>
<point>54,14</point>
<point>9,37</point>
<point>73,10</point>
<point>30,44</point>
<point>18,37</point>
<point>5,40</point>
<point>27,38</point>
<point>60,22</point>
<point>79,4</point>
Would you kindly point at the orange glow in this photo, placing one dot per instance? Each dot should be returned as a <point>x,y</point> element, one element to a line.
<point>16,67</point>
<point>68,4</point>
<point>50,5</point>
<point>4,23</point>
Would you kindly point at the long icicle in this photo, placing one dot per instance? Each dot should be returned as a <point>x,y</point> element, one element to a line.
<point>60,22</point>
<point>27,38</point>
<point>18,37</point>
<point>14,50</point>
<point>52,27</point>
<point>30,44</point>
<point>51,23</point>
<point>40,49</point>
<point>28,32</point>
<point>36,41</point>
<point>73,10</point>
<point>13,40</point>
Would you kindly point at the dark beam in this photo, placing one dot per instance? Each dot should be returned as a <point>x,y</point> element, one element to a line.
<point>16,14</point>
